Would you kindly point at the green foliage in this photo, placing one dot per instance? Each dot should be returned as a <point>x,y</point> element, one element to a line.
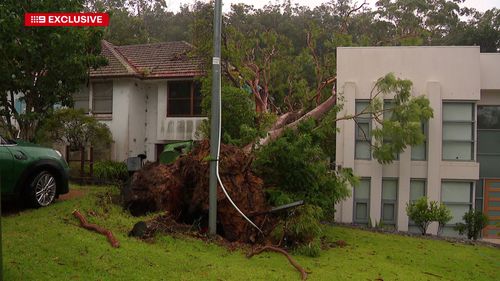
<point>42,66</point>
<point>301,230</point>
<point>73,127</point>
<point>422,212</point>
<point>110,171</point>
<point>240,123</point>
<point>475,221</point>
<point>402,121</point>
<point>297,165</point>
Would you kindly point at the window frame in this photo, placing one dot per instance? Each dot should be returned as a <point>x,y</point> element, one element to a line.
<point>471,197</point>
<point>479,130</point>
<point>362,139</point>
<point>93,97</point>
<point>425,131</point>
<point>473,133</point>
<point>410,222</point>
<point>394,202</point>
<point>362,201</point>
<point>191,98</point>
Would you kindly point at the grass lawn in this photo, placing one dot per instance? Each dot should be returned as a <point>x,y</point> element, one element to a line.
<point>48,244</point>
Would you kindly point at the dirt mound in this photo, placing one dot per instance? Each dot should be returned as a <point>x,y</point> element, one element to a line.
<point>182,190</point>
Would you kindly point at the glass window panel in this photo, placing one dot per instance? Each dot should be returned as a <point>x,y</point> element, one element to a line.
<point>362,191</point>
<point>388,212</point>
<point>361,211</point>
<point>488,117</point>
<point>361,105</point>
<point>102,96</point>
<point>179,107</point>
<point>418,152</point>
<point>457,112</point>
<point>363,150</point>
<point>489,166</point>
<point>457,131</point>
<point>417,189</point>
<point>479,204</point>
<point>388,105</point>
<point>457,151</point>
<point>488,141</point>
<point>456,192</point>
<point>389,190</point>
<point>457,211</point>
<point>479,188</point>
<point>180,89</point>
<point>103,106</point>
<point>363,131</point>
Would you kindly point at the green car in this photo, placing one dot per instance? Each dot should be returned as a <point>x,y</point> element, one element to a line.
<point>32,173</point>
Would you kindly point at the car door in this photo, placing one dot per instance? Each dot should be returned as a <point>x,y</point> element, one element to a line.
<point>7,180</point>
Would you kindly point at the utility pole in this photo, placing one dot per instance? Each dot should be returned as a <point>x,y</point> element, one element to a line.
<point>215,121</point>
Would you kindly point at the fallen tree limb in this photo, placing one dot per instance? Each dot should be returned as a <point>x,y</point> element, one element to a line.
<point>83,223</point>
<point>281,251</point>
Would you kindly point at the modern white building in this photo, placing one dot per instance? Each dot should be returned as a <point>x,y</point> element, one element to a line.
<point>459,163</point>
<point>147,95</point>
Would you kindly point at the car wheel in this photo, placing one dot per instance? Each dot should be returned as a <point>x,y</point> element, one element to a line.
<point>43,189</point>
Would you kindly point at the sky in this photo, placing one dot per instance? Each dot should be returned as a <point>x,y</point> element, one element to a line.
<point>481,5</point>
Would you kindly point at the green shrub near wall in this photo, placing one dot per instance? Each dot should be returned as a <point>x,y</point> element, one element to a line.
<point>108,171</point>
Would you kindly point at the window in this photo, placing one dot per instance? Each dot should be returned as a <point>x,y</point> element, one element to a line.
<point>458,131</point>
<point>362,202</point>
<point>419,152</point>
<point>184,99</point>
<point>417,191</point>
<point>102,97</point>
<point>479,195</point>
<point>363,131</point>
<point>81,99</point>
<point>389,201</point>
<point>388,105</point>
<point>488,141</point>
<point>457,196</point>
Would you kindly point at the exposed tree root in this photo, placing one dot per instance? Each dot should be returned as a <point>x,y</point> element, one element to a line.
<point>83,223</point>
<point>281,251</point>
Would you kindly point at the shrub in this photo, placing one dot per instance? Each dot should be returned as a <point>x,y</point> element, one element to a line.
<point>475,221</point>
<point>110,171</point>
<point>301,230</point>
<point>423,212</point>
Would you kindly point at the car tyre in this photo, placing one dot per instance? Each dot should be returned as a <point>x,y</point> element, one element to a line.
<point>43,189</point>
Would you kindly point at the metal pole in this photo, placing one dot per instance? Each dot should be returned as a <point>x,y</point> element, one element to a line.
<point>215,121</point>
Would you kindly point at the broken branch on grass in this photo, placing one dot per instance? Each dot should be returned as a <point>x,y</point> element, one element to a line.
<point>281,251</point>
<point>83,223</point>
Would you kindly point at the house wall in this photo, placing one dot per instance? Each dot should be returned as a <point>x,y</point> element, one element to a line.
<point>441,74</point>
<point>174,128</point>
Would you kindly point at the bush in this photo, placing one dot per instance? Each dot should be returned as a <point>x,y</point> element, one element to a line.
<point>110,171</point>
<point>423,212</point>
<point>301,230</point>
<point>475,221</point>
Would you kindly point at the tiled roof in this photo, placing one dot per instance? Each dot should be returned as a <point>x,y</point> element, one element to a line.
<point>159,60</point>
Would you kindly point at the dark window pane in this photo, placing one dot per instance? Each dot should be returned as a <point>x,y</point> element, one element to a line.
<point>488,117</point>
<point>102,97</point>
<point>179,107</point>
<point>488,166</point>
<point>488,141</point>
<point>179,90</point>
<point>361,211</point>
<point>388,214</point>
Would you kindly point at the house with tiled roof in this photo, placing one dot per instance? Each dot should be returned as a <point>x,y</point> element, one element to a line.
<point>147,95</point>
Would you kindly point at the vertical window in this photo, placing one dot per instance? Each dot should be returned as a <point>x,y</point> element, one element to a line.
<point>362,202</point>
<point>389,201</point>
<point>479,195</point>
<point>457,196</point>
<point>102,97</point>
<point>488,141</point>
<point>388,105</point>
<point>419,152</point>
<point>417,191</point>
<point>458,131</point>
<point>81,99</point>
<point>184,99</point>
<point>363,131</point>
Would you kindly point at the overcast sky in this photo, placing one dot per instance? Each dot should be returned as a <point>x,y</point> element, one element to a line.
<point>481,5</point>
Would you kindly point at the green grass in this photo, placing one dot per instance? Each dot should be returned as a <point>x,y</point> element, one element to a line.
<point>47,244</point>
